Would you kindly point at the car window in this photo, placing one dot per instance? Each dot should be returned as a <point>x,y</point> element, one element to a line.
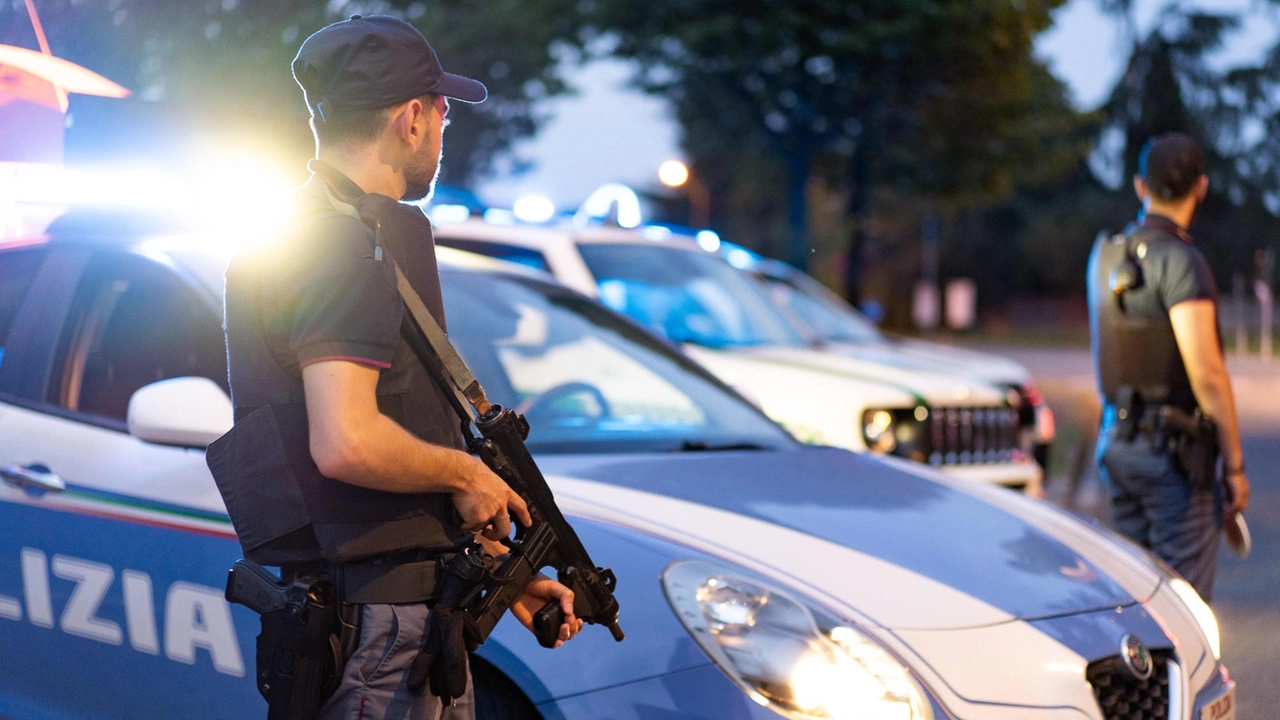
<point>830,319</point>
<point>519,255</point>
<point>688,297</point>
<point>17,271</point>
<point>586,379</point>
<point>133,322</point>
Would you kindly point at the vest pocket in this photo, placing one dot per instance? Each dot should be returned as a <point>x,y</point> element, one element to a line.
<point>258,486</point>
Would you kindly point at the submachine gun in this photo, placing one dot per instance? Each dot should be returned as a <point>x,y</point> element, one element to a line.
<point>486,593</point>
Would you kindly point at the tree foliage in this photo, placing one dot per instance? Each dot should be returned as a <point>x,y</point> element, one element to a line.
<point>939,100</point>
<point>227,62</point>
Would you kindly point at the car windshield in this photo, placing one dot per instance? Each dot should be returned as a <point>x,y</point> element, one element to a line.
<point>687,297</point>
<point>825,314</point>
<point>588,380</point>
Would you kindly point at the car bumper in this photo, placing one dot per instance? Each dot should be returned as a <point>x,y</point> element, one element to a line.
<point>1216,700</point>
<point>1026,475</point>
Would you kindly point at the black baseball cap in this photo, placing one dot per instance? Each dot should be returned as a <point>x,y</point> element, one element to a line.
<point>1171,164</point>
<point>373,61</point>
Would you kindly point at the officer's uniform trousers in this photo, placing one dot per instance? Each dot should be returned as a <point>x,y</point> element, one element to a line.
<point>1154,504</point>
<point>374,682</point>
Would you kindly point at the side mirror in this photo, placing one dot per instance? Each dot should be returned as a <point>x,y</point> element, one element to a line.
<point>184,411</point>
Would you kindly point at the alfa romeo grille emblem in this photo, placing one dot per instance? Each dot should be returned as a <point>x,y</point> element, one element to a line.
<point>1136,656</point>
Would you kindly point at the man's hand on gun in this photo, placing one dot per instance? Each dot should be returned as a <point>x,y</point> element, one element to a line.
<point>486,503</point>
<point>536,594</point>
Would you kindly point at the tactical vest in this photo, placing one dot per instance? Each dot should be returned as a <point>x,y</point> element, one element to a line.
<point>1133,355</point>
<point>283,508</point>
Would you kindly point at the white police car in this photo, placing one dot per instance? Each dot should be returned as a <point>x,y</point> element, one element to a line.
<point>758,578</point>
<point>670,284</point>
<point>838,327</point>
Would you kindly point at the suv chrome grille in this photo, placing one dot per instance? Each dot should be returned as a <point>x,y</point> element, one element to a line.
<point>1122,697</point>
<point>972,435</point>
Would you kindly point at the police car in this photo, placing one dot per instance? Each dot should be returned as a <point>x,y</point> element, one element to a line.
<point>758,577</point>
<point>674,286</point>
<point>829,320</point>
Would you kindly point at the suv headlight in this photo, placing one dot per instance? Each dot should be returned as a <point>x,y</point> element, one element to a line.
<point>788,656</point>
<point>896,432</point>
<point>878,431</point>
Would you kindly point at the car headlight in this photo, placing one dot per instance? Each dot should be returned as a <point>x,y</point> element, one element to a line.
<point>788,656</point>
<point>896,432</point>
<point>1199,610</point>
<point>878,431</point>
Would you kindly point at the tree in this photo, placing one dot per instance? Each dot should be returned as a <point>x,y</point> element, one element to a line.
<point>1171,84</point>
<point>941,98</point>
<point>220,63</point>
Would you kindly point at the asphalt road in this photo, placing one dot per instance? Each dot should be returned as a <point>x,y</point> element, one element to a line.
<point>1247,592</point>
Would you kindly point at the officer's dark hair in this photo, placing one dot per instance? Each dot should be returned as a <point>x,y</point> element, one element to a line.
<point>353,128</point>
<point>1171,164</point>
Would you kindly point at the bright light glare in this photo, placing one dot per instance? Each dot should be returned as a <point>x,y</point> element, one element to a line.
<point>838,687</point>
<point>534,209</point>
<point>231,199</point>
<point>655,232</point>
<point>708,240</point>
<point>608,201</point>
<point>673,173</point>
<point>498,216</point>
<point>739,258</point>
<point>448,214</point>
<point>1200,610</point>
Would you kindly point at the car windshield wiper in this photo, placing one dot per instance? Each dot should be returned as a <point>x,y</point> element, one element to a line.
<point>704,446</point>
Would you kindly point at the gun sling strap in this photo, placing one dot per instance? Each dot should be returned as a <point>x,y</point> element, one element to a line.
<point>442,360</point>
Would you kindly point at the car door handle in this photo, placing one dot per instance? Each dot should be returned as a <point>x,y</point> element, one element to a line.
<point>33,477</point>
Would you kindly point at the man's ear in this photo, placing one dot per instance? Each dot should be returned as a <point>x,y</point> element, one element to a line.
<point>1202,188</point>
<point>1140,188</point>
<point>409,123</point>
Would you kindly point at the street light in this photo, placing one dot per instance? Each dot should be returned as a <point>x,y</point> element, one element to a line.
<point>675,174</point>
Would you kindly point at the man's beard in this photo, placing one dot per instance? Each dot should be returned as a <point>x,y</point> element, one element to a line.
<point>420,175</point>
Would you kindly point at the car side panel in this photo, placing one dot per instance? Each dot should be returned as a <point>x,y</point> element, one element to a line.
<point>114,587</point>
<point>117,618</point>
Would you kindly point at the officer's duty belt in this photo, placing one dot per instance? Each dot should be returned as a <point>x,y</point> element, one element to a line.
<point>380,582</point>
<point>389,584</point>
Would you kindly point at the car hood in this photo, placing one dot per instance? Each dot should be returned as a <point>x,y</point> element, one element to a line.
<point>923,356</point>
<point>990,367</point>
<point>928,387</point>
<point>904,547</point>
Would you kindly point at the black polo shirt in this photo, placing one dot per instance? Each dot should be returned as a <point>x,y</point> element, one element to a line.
<point>1173,269</point>
<point>323,293</point>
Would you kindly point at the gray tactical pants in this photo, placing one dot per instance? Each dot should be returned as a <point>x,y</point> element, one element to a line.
<point>374,681</point>
<point>1154,504</point>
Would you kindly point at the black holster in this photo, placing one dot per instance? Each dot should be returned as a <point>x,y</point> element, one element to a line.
<point>307,636</point>
<point>1193,439</point>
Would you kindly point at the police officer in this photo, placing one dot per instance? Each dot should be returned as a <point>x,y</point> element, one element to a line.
<point>1156,343</point>
<point>346,455</point>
